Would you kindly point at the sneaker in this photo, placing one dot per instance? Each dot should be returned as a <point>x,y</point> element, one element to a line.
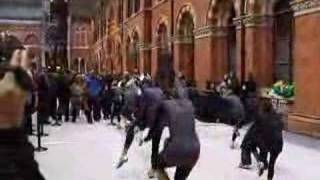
<point>162,175</point>
<point>242,166</point>
<point>151,173</point>
<point>122,161</point>
<point>233,145</point>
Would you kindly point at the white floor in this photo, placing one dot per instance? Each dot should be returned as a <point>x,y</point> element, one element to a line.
<point>90,152</point>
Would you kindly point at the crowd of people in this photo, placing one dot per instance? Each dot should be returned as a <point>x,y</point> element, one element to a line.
<point>57,95</point>
<point>61,95</point>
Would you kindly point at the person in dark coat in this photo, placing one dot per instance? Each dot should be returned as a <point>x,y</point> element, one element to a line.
<point>107,96</point>
<point>53,94</point>
<point>233,83</point>
<point>17,160</point>
<point>182,148</point>
<point>264,135</point>
<point>117,100</point>
<point>43,107</point>
<point>31,103</point>
<point>64,82</point>
<point>148,104</point>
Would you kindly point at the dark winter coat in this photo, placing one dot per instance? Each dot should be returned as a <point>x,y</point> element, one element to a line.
<point>17,157</point>
<point>183,146</point>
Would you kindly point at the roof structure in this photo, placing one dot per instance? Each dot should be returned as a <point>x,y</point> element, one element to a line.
<point>83,8</point>
<point>32,9</point>
<point>21,9</point>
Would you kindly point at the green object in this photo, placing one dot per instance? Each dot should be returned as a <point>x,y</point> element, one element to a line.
<point>284,90</point>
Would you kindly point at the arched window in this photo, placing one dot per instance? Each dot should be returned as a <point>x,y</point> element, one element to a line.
<point>186,51</point>
<point>31,40</point>
<point>162,37</point>
<point>283,41</point>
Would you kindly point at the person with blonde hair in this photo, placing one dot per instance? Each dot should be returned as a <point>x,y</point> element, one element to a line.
<point>17,153</point>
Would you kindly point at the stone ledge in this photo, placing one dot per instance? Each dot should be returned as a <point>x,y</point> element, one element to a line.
<point>211,31</point>
<point>305,7</point>
<point>304,125</point>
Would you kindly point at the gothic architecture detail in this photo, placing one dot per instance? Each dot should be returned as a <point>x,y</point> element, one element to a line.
<point>257,20</point>
<point>305,7</point>
<point>210,38</point>
<point>211,31</point>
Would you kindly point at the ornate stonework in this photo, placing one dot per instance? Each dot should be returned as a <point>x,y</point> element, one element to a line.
<point>181,39</point>
<point>257,20</point>
<point>187,8</point>
<point>211,31</point>
<point>304,7</point>
<point>238,22</point>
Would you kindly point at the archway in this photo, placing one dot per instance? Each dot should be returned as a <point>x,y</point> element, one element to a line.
<point>31,40</point>
<point>283,21</point>
<point>79,65</point>
<point>186,45</point>
<point>162,41</point>
<point>224,41</point>
<point>162,37</point>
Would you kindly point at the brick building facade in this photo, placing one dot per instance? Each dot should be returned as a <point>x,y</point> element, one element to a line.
<point>80,45</point>
<point>27,32</point>
<point>26,26</point>
<point>270,39</point>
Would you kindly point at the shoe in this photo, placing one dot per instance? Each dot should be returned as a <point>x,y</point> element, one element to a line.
<point>243,166</point>
<point>122,161</point>
<point>233,145</point>
<point>151,173</point>
<point>260,168</point>
<point>162,175</point>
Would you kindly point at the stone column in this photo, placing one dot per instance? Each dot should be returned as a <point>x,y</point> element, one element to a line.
<point>240,48</point>
<point>154,59</point>
<point>219,52</point>
<point>211,53</point>
<point>306,114</point>
<point>259,48</point>
<point>203,56</point>
<point>145,52</point>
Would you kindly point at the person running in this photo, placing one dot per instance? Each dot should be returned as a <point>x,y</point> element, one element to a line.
<point>182,148</point>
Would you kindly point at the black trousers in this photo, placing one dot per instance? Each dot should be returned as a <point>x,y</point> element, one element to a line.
<point>182,172</point>
<point>249,145</point>
<point>17,157</point>
<point>63,109</point>
<point>116,112</point>
<point>75,111</point>
<point>53,108</point>
<point>107,110</point>
<point>94,109</point>
<point>27,121</point>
